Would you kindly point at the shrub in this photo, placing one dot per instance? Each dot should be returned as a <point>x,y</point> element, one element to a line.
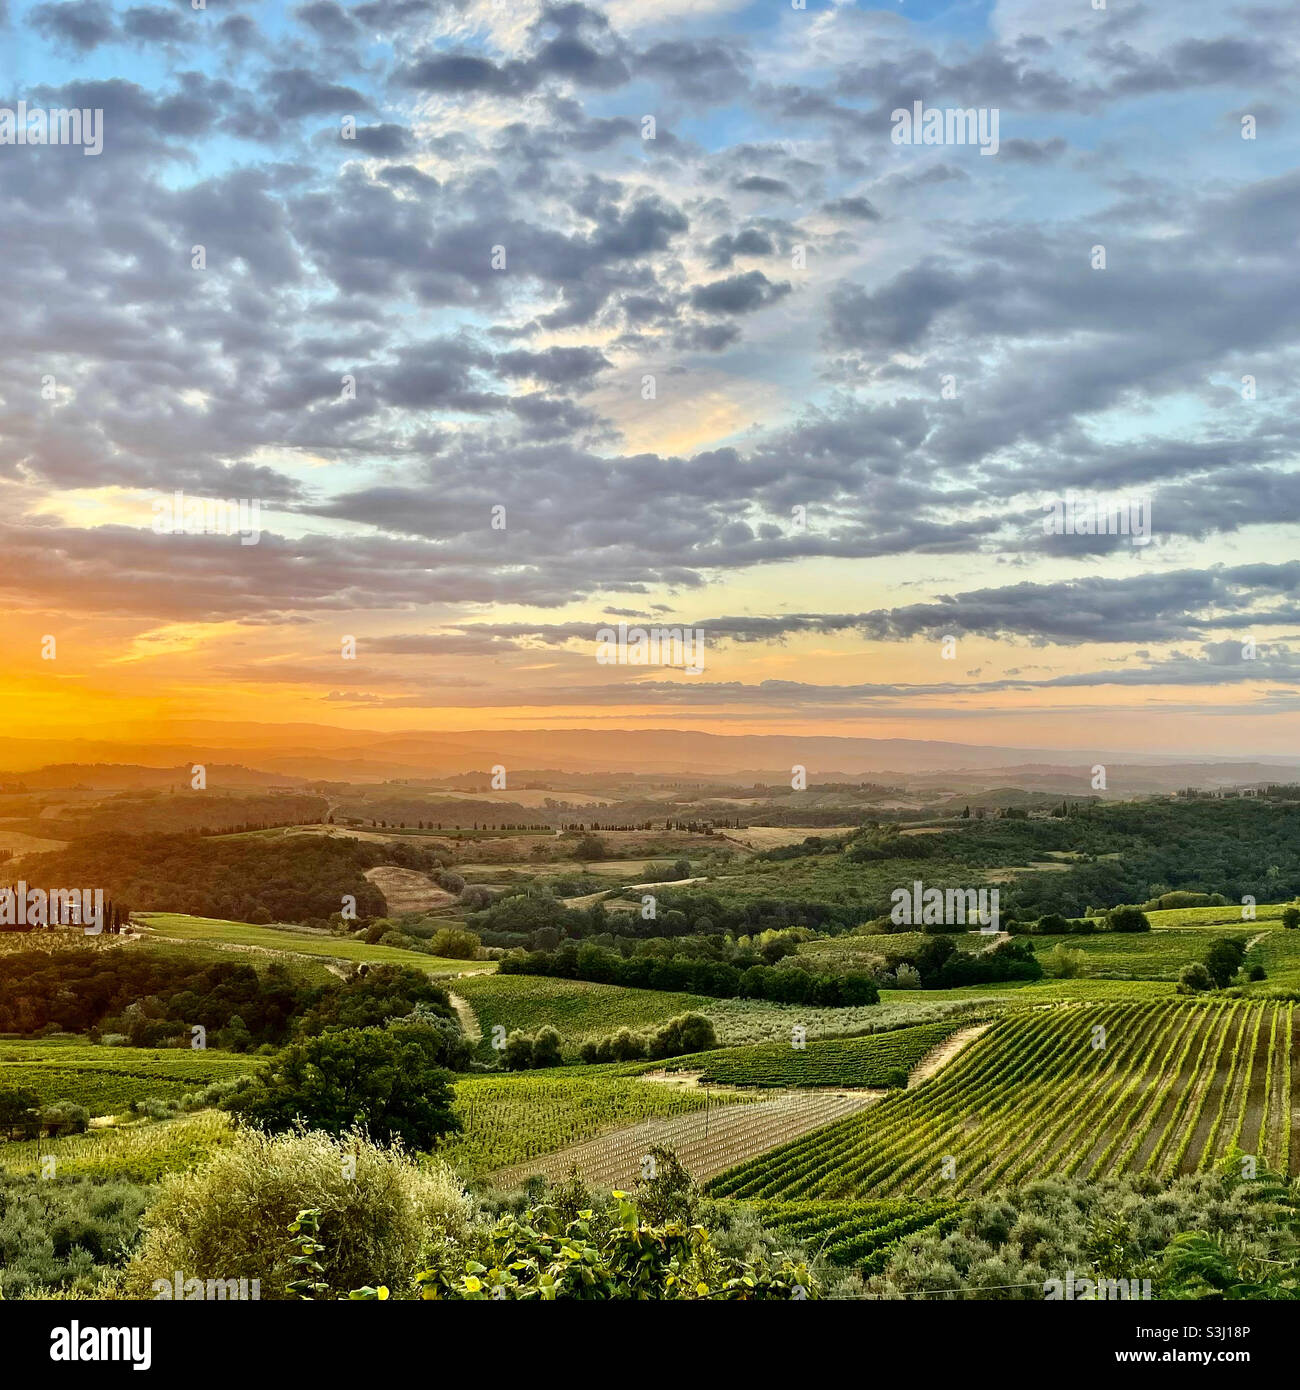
<point>1194,979</point>
<point>546,1048</point>
<point>517,1054</point>
<point>1063,963</point>
<point>64,1235</point>
<point>454,944</point>
<point>229,1219</point>
<point>1291,918</point>
<point>1127,919</point>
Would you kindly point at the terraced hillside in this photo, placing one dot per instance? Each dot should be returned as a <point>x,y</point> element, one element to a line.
<point>1088,1090</point>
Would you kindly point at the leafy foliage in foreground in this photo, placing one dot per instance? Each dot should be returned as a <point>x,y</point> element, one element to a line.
<point>607,1254</point>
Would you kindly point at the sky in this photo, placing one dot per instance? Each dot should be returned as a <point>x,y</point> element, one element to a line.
<point>509,322</point>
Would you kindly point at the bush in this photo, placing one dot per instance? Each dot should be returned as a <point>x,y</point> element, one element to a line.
<point>1063,963</point>
<point>1194,979</point>
<point>229,1219</point>
<point>610,1253</point>
<point>1127,919</point>
<point>1291,918</point>
<point>546,1048</point>
<point>517,1055</point>
<point>454,944</point>
<point>65,1235</point>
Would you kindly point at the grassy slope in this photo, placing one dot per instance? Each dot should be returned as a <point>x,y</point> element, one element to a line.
<point>215,932</point>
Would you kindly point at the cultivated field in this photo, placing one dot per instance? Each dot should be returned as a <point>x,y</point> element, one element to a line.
<point>869,1061</point>
<point>509,1119</point>
<point>406,890</point>
<point>107,1079</point>
<point>143,1152</point>
<point>1164,1089</point>
<point>707,1142</point>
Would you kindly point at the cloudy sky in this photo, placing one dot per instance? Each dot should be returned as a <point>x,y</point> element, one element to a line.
<point>518,320</point>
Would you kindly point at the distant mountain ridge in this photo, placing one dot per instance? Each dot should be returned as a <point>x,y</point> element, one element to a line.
<point>262,754</point>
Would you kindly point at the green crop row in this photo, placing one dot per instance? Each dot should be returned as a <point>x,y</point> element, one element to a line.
<point>1091,1089</point>
<point>868,1061</point>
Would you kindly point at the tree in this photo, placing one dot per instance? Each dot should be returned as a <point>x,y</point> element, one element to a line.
<point>19,1110</point>
<point>546,1048</point>
<point>590,847</point>
<point>665,1191</point>
<point>1224,959</point>
<point>1127,919</point>
<point>369,1000</point>
<point>517,1055</point>
<point>389,1083</point>
<point>453,944</point>
<point>1063,963</point>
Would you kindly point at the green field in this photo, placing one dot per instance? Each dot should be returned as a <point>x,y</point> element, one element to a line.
<point>865,1061</point>
<point>107,1079</point>
<point>1229,916</point>
<point>1172,1087</point>
<point>579,1009</point>
<point>1153,955</point>
<point>508,1119</point>
<point>243,936</point>
<point>143,1151</point>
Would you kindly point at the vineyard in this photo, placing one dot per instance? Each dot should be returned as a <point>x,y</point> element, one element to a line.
<point>1087,1091</point>
<point>707,1142</point>
<point>143,1152</point>
<point>857,1233</point>
<point>507,1120</point>
<point>869,1061</point>
<point>107,1079</point>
